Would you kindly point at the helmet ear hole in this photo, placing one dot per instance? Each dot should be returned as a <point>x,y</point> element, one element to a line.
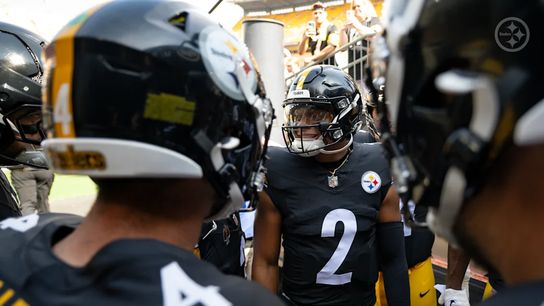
<point>337,134</point>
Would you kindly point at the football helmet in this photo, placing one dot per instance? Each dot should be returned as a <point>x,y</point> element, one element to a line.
<point>323,107</point>
<point>461,91</point>
<point>21,73</point>
<point>156,89</point>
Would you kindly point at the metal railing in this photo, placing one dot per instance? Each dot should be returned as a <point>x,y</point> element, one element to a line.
<point>356,56</point>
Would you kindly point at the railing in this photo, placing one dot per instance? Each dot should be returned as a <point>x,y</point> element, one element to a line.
<point>353,63</point>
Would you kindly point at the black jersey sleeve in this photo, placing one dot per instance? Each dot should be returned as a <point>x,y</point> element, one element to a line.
<point>221,243</point>
<point>9,206</point>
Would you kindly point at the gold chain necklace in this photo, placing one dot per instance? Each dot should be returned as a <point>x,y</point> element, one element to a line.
<point>333,179</point>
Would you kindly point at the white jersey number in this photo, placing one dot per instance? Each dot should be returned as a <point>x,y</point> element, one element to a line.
<point>20,224</point>
<point>62,113</point>
<point>327,275</point>
<point>178,289</point>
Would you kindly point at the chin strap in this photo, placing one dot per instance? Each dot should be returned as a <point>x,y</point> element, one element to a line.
<point>328,152</point>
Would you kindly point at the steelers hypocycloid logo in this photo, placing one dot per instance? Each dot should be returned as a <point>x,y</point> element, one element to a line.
<point>371,181</point>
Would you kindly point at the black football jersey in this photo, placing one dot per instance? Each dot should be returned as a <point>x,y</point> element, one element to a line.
<point>222,243</point>
<point>329,233</point>
<point>9,204</point>
<point>363,136</point>
<point>531,294</point>
<point>124,272</point>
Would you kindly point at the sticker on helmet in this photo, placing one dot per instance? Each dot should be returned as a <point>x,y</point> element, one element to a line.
<point>302,77</point>
<point>221,53</point>
<point>169,108</point>
<point>179,20</point>
<point>371,182</point>
<point>77,160</point>
<point>298,93</point>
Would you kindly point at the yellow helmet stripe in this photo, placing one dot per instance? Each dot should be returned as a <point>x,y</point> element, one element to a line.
<point>63,61</point>
<point>302,77</point>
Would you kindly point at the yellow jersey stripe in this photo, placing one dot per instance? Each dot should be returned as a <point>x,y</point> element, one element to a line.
<point>6,296</point>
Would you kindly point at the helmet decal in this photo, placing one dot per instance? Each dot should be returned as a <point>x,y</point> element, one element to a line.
<point>169,108</point>
<point>70,159</point>
<point>302,77</point>
<point>221,52</point>
<point>298,93</point>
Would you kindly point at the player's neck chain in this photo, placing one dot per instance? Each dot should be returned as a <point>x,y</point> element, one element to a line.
<point>333,179</point>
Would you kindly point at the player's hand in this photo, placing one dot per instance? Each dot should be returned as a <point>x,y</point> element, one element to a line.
<point>452,297</point>
<point>309,32</point>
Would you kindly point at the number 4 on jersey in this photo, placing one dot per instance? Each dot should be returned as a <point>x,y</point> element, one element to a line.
<point>21,224</point>
<point>178,289</point>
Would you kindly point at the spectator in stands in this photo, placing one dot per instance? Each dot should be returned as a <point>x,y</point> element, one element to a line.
<point>289,63</point>
<point>320,38</point>
<point>361,22</point>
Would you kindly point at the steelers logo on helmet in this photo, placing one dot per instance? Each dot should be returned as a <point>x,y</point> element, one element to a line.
<point>371,182</point>
<point>223,55</point>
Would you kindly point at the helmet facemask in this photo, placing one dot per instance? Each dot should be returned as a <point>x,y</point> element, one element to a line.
<point>312,128</point>
<point>21,134</point>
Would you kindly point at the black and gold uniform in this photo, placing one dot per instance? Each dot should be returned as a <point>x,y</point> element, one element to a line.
<point>126,271</point>
<point>222,243</point>
<point>329,234</point>
<point>9,206</point>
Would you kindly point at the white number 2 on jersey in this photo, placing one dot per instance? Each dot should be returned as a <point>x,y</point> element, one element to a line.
<point>178,289</point>
<point>327,275</point>
<point>20,224</point>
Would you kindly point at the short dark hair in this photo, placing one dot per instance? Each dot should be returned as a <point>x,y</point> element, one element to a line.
<point>156,196</point>
<point>318,6</point>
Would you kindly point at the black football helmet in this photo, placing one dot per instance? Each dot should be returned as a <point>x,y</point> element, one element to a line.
<point>461,89</point>
<point>156,89</point>
<point>21,73</point>
<point>325,99</point>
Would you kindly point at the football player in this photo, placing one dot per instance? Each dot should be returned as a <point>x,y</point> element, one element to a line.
<point>164,110</point>
<point>331,199</point>
<point>465,95</point>
<point>418,241</point>
<point>21,73</point>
